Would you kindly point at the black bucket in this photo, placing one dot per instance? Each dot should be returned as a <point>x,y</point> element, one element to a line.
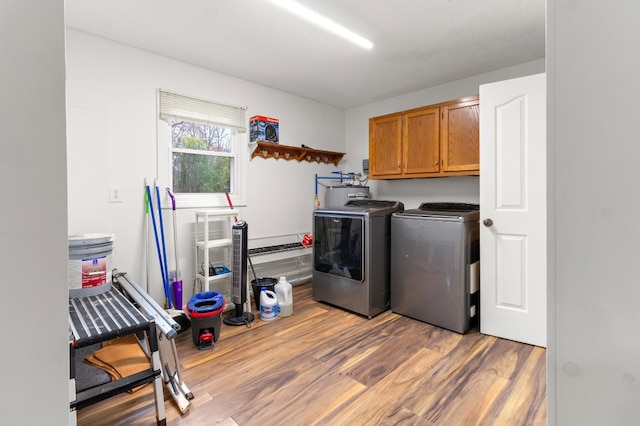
<point>267,283</point>
<point>205,310</point>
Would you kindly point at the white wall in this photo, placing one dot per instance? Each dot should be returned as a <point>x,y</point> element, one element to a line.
<point>594,349</point>
<point>33,218</point>
<point>412,192</point>
<point>112,141</point>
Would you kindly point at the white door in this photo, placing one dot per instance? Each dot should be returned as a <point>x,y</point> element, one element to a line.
<point>513,210</point>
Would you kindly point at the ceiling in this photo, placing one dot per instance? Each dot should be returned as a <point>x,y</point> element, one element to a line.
<point>417,43</point>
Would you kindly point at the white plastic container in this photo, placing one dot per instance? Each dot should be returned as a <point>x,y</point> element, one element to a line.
<point>268,305</point>
<point>284,292</point>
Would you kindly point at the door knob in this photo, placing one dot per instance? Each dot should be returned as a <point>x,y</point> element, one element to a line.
<point>487,222</point>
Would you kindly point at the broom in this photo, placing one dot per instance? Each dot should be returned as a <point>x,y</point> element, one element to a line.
<point>178,315</point>
<point>149,200</point>
<point>176,286</point>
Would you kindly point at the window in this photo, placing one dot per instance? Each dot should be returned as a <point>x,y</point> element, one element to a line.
<point>202,154</point>
<point>201,158</point>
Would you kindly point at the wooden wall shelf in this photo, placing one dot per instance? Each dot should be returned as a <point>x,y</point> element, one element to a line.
<point>277,151</point>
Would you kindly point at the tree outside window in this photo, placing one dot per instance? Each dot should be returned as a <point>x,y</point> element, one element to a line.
<point>202,157</point>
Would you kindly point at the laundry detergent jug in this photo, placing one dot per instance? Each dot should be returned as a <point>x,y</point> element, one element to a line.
<point>284,292</point>
<point>268,305</point>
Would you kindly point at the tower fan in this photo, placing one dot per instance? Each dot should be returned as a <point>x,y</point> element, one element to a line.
<point>239,275</point>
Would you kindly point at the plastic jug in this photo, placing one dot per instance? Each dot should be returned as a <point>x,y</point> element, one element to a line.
<point>268,305</point>
<point>284,292</point>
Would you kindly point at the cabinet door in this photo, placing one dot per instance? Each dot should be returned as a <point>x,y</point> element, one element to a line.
<point>385,145</point>
<point>421,141</point>
<point>460,136</point>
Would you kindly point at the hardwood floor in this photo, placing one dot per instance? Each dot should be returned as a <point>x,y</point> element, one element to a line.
<point>327,366</point>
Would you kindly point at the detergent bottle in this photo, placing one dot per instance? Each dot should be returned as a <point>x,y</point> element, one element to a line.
<point>268,305</point>
<point>284,292</point>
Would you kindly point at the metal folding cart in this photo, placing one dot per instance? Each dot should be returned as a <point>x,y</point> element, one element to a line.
<point>123,310</point>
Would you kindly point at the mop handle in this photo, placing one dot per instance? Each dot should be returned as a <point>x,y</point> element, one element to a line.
<point>175,232</point>
<point>252,270</point>
<point>146,235</point>
<point>230,205</point>
<point>164,247</point>
<point>155,234</point>
<point>173,199</point>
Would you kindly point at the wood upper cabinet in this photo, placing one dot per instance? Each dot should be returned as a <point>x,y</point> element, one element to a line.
<point>431,141</point>
<point>461,136</point>
<point>385,145</point>
<point>421,141</point>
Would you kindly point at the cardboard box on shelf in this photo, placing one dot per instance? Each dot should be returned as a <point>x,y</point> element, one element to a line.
<point>264,129</point>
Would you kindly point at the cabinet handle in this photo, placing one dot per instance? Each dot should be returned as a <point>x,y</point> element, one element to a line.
<point>435,164</point>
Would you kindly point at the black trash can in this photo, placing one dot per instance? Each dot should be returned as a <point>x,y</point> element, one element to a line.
<point>205,310</point>
<point>267,283</point>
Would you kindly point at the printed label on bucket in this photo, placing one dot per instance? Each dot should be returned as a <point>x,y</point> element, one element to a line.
<point>89,273</point>
<point>94,272</point>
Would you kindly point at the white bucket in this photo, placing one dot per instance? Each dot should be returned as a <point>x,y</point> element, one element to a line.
<point>90,264</point>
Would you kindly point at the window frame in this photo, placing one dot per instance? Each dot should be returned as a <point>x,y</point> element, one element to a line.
<point>239,154</point>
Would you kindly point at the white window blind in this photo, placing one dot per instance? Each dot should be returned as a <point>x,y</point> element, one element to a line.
<point>180,107</point>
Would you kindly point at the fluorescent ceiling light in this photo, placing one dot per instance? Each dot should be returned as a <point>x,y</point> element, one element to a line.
<point>323,22</point>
